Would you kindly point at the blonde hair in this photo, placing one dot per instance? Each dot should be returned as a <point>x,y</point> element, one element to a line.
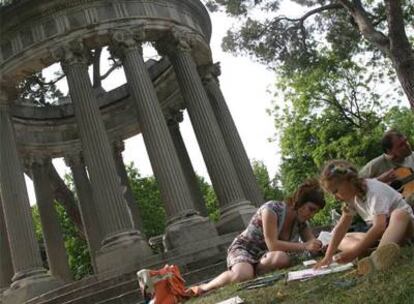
<point>339,171</point>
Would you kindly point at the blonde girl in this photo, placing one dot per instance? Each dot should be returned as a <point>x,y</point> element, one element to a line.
<point>379,205</point>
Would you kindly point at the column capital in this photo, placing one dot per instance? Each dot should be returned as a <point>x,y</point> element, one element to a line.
<point>174,117</point>
<point>178,40</point>
<point>73,52</point>
<point>4,101</point>
<point>210,72</point>
<point>123,40</point>
<point>74,159</point>
<point>118,146</point>
<point>40,160</point>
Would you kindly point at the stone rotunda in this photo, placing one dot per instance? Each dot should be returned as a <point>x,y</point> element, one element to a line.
<point>89,132</point>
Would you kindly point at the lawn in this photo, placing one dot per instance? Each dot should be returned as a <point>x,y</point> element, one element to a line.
<point>393,286</point>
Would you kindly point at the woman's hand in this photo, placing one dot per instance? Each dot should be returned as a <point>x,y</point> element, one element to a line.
<point>345,256</point>
<point>326,261</point>
<point>313,245</point>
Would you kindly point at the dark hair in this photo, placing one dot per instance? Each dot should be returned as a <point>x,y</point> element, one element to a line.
<point>308,191</point>
<point>386,141</point>
<point>338,171</point>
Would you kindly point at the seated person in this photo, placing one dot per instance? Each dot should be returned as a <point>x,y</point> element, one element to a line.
<point>379,205</point>
<point>397,154</point>
<point>272,237</point>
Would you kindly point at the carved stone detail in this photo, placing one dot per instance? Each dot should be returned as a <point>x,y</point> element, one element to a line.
<point>127,40</point>
<point>71,53</point>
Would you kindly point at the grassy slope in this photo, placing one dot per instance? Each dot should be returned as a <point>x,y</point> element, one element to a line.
<point>393,286</point>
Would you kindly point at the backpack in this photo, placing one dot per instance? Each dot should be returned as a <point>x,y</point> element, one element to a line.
<point>163,286</point>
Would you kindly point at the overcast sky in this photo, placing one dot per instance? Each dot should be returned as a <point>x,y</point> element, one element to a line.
<point>246,86</point>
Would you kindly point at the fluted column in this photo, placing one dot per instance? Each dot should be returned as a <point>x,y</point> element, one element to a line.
<point>6,267</point>
<point>133,208</point>
<point>112,213</point>
<point>231,135</point>
<point>30,278</point>
<point>164,160</point>
<point>87,205</point>
<point>236,211</point>
<point>52,231</point>
<point>185,161</point>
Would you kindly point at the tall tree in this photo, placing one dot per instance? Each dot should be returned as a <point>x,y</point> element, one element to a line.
<point>328,114</point>
<point>379,32</point>
<point>269,186</point>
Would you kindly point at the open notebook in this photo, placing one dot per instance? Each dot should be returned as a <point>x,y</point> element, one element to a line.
<point>310,273</point>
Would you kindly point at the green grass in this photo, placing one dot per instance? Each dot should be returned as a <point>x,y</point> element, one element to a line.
<point>393,286</point>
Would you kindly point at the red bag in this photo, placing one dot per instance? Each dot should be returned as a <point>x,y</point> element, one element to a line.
<point>163,286</point>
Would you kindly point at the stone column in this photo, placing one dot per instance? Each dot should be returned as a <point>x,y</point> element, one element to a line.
<point>87,205</point>
<point>52,231</point>
<point>231,135</point>
<point>236,211</point>
<point>30,278</point>
<point>6,267</point>
<point>122,244</point>
<point>132,205</point>
<point>184,225</point>
<point>185,161</point>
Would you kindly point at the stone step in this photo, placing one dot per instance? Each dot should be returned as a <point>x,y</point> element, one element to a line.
<point>197,264</point>
<point>194,277</point>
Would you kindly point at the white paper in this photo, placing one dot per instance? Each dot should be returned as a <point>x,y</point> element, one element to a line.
<point>325,237</point>
<point>309,263</point>
<point>310,273</point>
<point>235,300</point>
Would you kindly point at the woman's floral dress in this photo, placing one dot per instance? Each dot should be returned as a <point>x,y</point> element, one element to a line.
<point>249,246</point>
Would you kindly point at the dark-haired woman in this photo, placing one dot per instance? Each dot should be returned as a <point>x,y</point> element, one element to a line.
<point>271,237</point>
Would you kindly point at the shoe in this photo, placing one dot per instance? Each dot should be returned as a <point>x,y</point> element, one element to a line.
<point>381,259</point>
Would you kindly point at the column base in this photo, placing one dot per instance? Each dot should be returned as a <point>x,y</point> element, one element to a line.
<point>236,217</point>
<point>187,231</point>
<point>29,287</point>
<point>121,252</point>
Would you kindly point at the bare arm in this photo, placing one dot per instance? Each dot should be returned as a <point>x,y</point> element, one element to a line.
<point>369,239</point>
<point>307,234</point>
<point>372,235</point>
<point>271,235</point>
<point>339,232</point>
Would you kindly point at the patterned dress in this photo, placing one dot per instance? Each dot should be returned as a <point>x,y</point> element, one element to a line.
<point>250,245</point>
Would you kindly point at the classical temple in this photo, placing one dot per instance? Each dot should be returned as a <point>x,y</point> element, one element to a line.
<point>89,132</point>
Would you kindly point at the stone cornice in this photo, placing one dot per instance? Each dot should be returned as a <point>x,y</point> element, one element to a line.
<point>41,25</point>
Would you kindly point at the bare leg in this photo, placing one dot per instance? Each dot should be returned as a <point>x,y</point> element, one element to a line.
<point>399,228</point>
<point>238,273</point>
<point>273,260</point>
<point>350,240</point>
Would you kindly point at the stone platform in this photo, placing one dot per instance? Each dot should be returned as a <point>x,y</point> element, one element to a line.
<point>197,263</point>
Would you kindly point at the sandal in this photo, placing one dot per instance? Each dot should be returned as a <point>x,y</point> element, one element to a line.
<point>381,259</point>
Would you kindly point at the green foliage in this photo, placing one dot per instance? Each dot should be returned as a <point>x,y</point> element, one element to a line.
<point>269,187</point>
<point>330,114</point>
<point>147,194</point>
<point>36,90</point>
<point>291,44</point>
<point>76,247</point>
<point>210,199</point>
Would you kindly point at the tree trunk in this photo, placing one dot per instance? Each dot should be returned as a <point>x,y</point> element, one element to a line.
<point>63,196</point>
<point>401,52</point>
<point>396,46</point>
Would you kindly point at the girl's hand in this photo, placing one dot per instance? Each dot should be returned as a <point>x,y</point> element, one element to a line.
<point>313,245</point>
<point>345,257</point>
<point>326,261</point>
